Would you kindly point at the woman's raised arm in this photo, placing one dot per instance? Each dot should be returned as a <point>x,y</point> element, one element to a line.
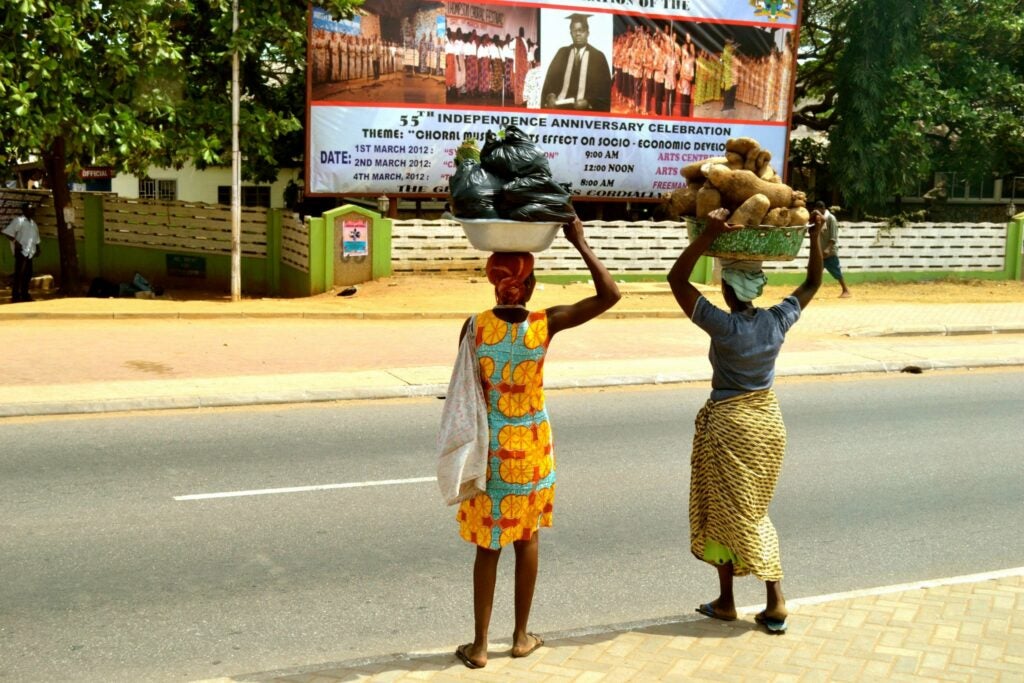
<point>606,292</point>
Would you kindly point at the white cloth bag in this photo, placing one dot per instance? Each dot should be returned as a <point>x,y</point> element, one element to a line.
<point>463,438</point>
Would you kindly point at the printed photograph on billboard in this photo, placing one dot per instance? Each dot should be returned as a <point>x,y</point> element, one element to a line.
<point>618,98</point>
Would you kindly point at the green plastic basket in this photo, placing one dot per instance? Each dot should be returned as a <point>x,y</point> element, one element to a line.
<point>760,243</point>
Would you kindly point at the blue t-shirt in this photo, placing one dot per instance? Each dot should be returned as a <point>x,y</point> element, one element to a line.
<point>744,346</point>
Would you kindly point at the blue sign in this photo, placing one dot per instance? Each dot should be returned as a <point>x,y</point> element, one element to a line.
<point>322,20</point>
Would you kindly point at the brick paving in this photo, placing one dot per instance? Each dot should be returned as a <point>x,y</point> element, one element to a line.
<point>966,629</point>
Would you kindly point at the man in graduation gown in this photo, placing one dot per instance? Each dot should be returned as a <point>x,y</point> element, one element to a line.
<point>578,76</point>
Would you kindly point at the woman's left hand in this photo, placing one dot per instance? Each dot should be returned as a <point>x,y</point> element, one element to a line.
<point>573,231</point>
<point>716,221</point>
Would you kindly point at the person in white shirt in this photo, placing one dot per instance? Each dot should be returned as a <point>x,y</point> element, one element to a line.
<point>23,233</point>
<point>829,238</point>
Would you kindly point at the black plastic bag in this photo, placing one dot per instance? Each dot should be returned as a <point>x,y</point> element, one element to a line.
<point>101,288</point>
<point>536,198</point>
<point>514,156</point>
<point>474,191</point>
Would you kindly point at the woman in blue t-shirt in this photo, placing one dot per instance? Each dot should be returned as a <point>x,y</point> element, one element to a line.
<point>739,437</point>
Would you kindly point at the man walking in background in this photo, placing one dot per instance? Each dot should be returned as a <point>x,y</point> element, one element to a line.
<point>23,233</point>
<point>829,236</point>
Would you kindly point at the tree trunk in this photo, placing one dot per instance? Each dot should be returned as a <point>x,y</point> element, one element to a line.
<point>55,161</point>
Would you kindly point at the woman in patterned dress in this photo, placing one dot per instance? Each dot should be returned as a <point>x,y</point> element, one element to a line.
<point>739,437</point>
<point>511,343</point>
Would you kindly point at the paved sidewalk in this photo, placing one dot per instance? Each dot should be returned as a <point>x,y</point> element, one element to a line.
<point>961,629</point>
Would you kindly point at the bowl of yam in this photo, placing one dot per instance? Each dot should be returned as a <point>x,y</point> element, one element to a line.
<point>774,216</point>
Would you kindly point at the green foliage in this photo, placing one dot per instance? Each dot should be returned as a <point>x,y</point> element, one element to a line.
<point>878,142</point>
<point>83,71</point>
<point>903,89</point>
<point>822,39</point>
<point>136,82</point>
<point>271,40</point>
<point>975,81</point>
<point>132,83</point>
<point>899,220</point>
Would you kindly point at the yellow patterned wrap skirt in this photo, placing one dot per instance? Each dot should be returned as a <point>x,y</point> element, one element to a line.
<point>738,445</point>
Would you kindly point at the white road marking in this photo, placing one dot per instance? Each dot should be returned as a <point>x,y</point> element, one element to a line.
<point>302,489</point>
<point>895,588</point>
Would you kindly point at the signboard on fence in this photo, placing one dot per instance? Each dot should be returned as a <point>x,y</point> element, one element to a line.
<point>354,236</point>
<point>620,94</point>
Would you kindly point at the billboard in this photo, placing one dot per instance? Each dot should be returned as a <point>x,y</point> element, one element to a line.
<point>618,93</point>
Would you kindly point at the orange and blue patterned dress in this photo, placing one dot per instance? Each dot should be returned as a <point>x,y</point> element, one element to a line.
<point>521,463</point>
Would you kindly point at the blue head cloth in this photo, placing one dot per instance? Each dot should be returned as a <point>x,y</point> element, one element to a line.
<point>745,277</point>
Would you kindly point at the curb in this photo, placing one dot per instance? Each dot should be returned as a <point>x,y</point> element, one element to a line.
<point>941,330</point>
<point>297,315</point>
<point>291,396</point>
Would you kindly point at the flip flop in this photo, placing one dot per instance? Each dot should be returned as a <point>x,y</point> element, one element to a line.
<point>540,642</point>
<point>708,610</point>
<point>460,652</point>
<point>773,626</point>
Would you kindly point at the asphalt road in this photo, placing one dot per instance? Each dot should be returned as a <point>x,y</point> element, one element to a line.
<point>110,571</point>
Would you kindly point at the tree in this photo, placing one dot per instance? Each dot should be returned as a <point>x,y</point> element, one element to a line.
<point>131,83</point>
<point>78,79</point>
<point>822,39</point>
<point>973,93</point>
<point>902,89</point>
<point>271,40</point>
<point>878,144</point>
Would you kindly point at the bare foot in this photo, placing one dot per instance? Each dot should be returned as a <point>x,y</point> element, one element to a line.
<point>845,295</point>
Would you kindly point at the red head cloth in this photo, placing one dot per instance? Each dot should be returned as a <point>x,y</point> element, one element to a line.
<point>508,272</point>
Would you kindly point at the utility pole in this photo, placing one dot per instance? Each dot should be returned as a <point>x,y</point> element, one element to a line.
<point>236,169</point>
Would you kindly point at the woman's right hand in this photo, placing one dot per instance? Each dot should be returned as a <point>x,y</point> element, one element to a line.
<point>716,221</point>
<point>817,223</point>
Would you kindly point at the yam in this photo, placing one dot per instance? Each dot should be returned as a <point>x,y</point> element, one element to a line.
<point>708,199</point>
<point>751,212</point>
<point>742,146</point>
<point>751,163</point>
<point>736,161</point>
<point>763,157</point>
<point>767,173</point>
<point>799,216</point>
<point>682,201</point>
<point>692,172</point>
<point>778,217</point>
<point>737,187</point>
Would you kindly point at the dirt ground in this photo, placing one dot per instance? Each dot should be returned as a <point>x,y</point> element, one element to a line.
<point>455,289</point>
<point>451,293</point>
<point>438,292</point>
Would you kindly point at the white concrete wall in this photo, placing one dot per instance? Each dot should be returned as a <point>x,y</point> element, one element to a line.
<point>648,247</point>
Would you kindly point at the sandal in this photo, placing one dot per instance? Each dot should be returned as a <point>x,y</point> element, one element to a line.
<point>460,652</point>
<point>539,642</point>
<point>774,626</point>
